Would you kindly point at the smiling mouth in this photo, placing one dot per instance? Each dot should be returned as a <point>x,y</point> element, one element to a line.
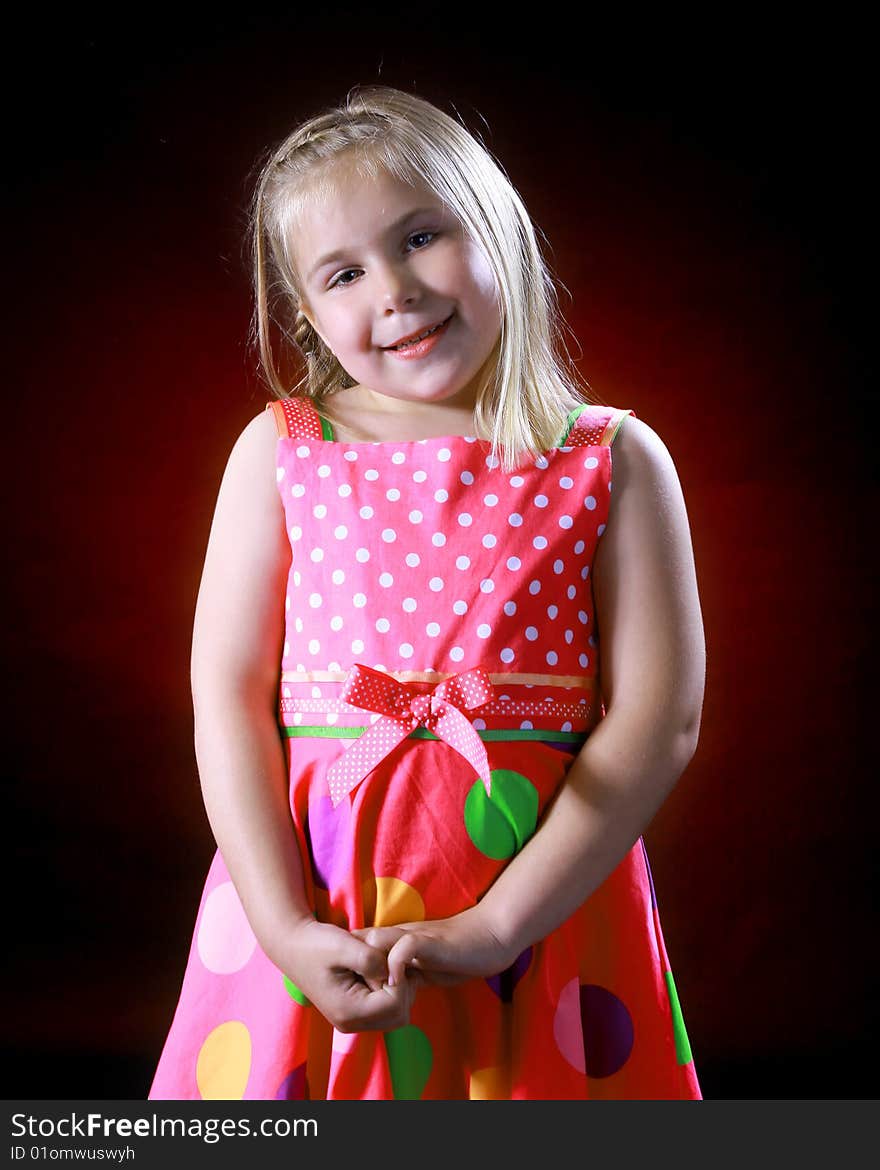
<point>412,341</point>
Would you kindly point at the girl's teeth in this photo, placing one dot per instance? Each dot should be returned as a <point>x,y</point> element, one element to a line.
<point>416,340</point>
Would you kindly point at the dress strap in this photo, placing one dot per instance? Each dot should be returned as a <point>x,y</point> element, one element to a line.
<point>297,418</point>
<point>594,426</point>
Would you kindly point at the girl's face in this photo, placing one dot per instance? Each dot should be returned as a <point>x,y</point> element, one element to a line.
<point>379,261</point>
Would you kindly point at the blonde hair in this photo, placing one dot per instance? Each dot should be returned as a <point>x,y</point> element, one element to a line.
<point>529,384</point>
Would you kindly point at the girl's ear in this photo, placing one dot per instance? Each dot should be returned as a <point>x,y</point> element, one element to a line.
<point>304,323</point>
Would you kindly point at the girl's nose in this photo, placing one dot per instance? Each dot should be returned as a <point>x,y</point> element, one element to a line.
<point>399,287</point>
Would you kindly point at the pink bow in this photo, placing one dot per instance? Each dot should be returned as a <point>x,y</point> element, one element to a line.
<point>403,708</point>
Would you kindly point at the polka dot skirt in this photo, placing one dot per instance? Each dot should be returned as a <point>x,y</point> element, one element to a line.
<point>439,675</point>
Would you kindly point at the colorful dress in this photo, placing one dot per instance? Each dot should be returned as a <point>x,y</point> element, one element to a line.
<point>439,676</point>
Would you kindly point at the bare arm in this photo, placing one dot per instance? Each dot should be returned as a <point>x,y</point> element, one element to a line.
<point>237,645</point>
<point>652,678</point>
<point>236,652</point>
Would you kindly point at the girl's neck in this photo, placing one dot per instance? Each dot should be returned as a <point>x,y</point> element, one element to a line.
<point>357,415</point>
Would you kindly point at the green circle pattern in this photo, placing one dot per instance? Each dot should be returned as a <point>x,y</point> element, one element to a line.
<point>499,825</point>
<point>410,1058</point>
<point>294,992</point>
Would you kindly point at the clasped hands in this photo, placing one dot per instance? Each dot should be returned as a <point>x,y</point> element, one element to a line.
<point>367,979</point>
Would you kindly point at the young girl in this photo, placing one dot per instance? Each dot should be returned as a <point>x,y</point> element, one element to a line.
<point>443,678</point>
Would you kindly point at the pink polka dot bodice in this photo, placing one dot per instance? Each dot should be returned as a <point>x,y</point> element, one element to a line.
<point>423,559</point>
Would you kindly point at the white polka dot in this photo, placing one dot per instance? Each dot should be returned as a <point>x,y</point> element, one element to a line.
<point>406,651</point>
<point>566,726</point>
<point>413,559</point>
<point>514,563</point>
<point>371,474</point>
<point>507,655</point>
<point>366,512</point>
<point>441,495</point>
<point>517,481</point>
<point>590,502</point>
<point>298,489</point>
<point>489,541</point>
<point>315,600</point>
<point>279,474</point>
<point>323,471</point>
<point>558,566</point>
<point>357,646</point>
<point>386,580</point>
<point>344,490</point>
<point>569,636</point>
<point>479,724</point>
<point>583,660</point>
<point>438,539</point>
<point>340,532</point>
<point>303,452</point>
<point>465,519</point>
<point>416,517</point>
<point>600,529</point>
<point>541,501</point>
<point>565,521</point>
<point>296,533</point>
<point>579,547</point>
<point>591,462</point>
<point>332,717</point>
<point>389,535</point>
<point>317,554</point>
<point>490,501</point>
<point>534,587</point>
<point>514,520</point>
<point>552,611</point>
<point>362,555</point>
<point>392,494</point>
<point>526,725</point>
<point>420,476</point>
<point>351,456</point>
<point>286,603</point>
<point>456,653</point>
<point>583,617</point>
<point>298,625</point>
<point>483,631</point>
<point>487,585</point>
<point>585,572</point>
<point>492,461</point>
<point>319,511</point>
<point>460,607</point>
<point>462,562</point>
<point>336,623</point>
<point>540,542</point>
<point>467,477</point>
<point>566,482</point>
<point>383,625</point>
<point>542,462</point>
<point>286,652</point>
<point>410,604</point>
<point>337,576</point>
<point>398,457</point>
<point>432,629</point>
<point>314,646</point>
<point>531,633</point>
<point>552,657</point>
<point>571,592</point>
<point>444,454</point>
<point>510,608</point>
<point>435,584</point>
<point>359,601</point>
<point>297,577</point>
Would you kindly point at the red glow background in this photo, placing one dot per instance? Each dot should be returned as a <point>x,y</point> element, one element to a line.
<point>705,207</point>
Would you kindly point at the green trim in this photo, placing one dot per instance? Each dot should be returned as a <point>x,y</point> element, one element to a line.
<point>326,430</point>
<point>620,423</point>
<point>319,731</point>
<point>571,419</point>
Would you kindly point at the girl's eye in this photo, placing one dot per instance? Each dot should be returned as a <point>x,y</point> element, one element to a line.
<point>417,235</point>
<point>339,280</point>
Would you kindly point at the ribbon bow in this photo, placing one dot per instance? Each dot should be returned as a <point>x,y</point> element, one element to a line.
<point>403,708</point>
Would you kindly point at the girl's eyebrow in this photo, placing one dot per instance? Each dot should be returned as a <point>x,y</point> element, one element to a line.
<point>340,253</point>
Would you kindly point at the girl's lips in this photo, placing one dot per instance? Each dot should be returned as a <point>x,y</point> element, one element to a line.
<point>420,348</point>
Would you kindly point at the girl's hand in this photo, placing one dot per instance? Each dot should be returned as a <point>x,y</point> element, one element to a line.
<point>347,979</point>
<point>444,952</point>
